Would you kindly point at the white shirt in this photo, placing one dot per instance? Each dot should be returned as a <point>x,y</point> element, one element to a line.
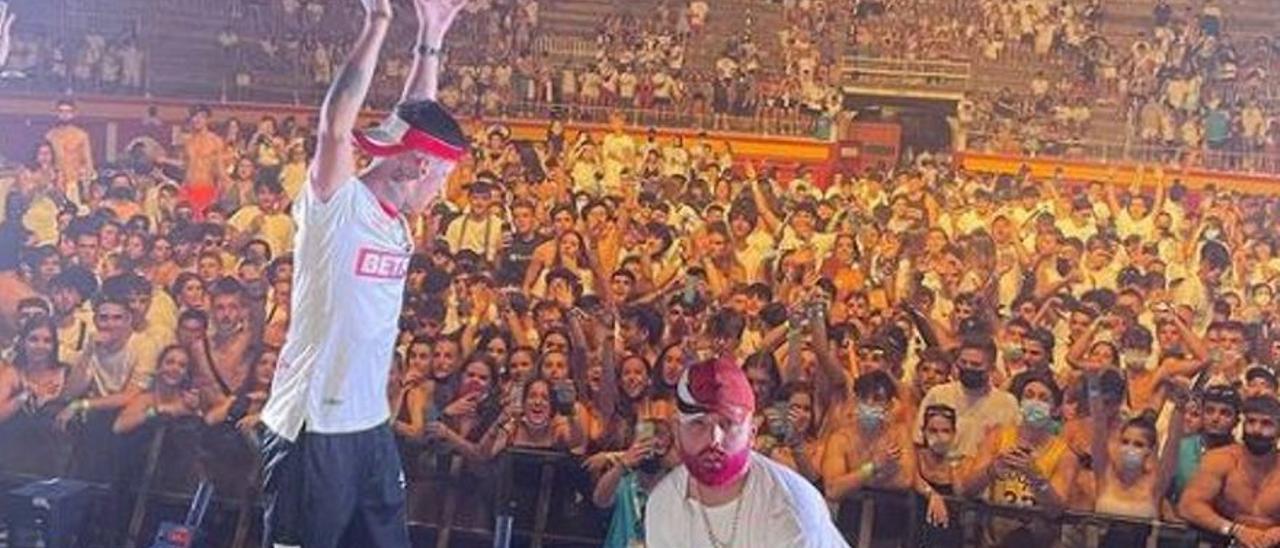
<point>352,259</point>
<point>779,509</point>
<point>974,414</point>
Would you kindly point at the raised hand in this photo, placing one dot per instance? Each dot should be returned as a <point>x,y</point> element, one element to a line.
<point>6,34</point>
<point>377,8</point>
<point>437,15</point>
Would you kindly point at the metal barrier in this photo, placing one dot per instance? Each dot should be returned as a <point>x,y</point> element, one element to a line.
<point>794,124</point>
<point>570,47</point>
<point>542,498</point>
<point>1235,161</point>
<point>861,69</point>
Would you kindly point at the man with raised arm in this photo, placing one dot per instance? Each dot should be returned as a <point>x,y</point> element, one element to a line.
<point>330,465</point>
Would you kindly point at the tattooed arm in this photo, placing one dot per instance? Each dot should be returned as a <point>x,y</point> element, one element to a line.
<point>334,163</point>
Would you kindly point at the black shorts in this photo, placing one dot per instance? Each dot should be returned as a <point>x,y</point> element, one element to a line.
<point>330,490</point>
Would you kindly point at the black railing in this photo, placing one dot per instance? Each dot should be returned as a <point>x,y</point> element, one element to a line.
<point>543,498</point>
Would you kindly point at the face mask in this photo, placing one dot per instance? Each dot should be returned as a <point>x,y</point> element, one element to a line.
<point>870,417</point>
<point>730,468</point>
<point>1132,458</point>
<point>1259,445</point>
<point>1036,414</point>
<point>974,379</point>
<point>1013,353</point>
<point>1136,359</point>
<point>939,446</point>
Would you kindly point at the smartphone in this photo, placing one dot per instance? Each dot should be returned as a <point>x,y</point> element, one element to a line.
<point>690,288</point>
<point>563,396</point>
<point>645,429</point>
<point>779,422</point>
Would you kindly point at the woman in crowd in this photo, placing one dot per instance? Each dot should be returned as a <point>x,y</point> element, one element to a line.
<point>189,293</point>
<point>1132,471</point>
<point>1024,465</point>
<point>35,381</point>
<point>172,393</point>
<point>471,412</point>
<point>938,471</point>
<point>541,421</point>
<point>411,390</point>
<point>795,439</point>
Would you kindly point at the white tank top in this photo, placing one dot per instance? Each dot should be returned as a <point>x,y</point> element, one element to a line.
<point>351,256</point>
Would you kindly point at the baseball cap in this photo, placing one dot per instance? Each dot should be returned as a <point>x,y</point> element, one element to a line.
<point>1260,372</point>
<point>424,126</point>
<point>713,386</point>
<point>1225,394</point>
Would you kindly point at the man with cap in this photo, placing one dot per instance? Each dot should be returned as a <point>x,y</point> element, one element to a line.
<point>725,494</point>
<point>479,228</point>
<point>1235,492</point>
<point>332,476</point>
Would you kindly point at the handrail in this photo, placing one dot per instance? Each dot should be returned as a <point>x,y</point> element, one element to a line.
<point>798,124</point>
<point>896,64</point>
<point>1115,151</point>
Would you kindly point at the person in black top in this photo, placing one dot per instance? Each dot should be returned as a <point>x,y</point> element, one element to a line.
<point>517,248</point>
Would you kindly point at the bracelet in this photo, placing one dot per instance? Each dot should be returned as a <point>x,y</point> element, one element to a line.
<point>1229,530</point>
<point>866,471</point>
<point>427,51</point>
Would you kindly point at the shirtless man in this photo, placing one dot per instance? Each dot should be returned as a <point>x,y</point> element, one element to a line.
<point>204,155</point>
<point>1236,492</point>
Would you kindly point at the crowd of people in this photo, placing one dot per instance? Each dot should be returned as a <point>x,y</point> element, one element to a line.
<point>1183,85</point>
<point>1192,89</point>
<point>1105,346</point>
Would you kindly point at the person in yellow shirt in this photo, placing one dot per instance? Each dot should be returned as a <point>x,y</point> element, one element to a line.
<point>72,150</point>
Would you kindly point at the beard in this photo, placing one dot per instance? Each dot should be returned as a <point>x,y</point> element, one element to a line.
<point>714,467</point>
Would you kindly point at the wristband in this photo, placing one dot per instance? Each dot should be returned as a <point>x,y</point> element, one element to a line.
<point>427,51</point>
<point>80,406</point>
<point>1228,530</point>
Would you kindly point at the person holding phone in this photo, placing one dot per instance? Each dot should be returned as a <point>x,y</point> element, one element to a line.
<point>474,409</point>
<point>631,476</point>
<point>538,421</point>
<point>1024,465</point>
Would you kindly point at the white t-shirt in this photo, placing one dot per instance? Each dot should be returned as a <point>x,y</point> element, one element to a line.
<point>779,509</point>
<point>352,258</point>
<point>974,414</point>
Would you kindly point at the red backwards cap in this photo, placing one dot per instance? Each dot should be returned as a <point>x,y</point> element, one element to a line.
<point>715,386</point>
<point>423,126</point>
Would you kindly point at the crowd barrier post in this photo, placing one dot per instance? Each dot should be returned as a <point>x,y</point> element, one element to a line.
<point>450,511</point>
<point>148,476</point>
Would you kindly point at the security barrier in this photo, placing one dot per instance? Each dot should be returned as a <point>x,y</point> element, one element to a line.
<point>543,498</point>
